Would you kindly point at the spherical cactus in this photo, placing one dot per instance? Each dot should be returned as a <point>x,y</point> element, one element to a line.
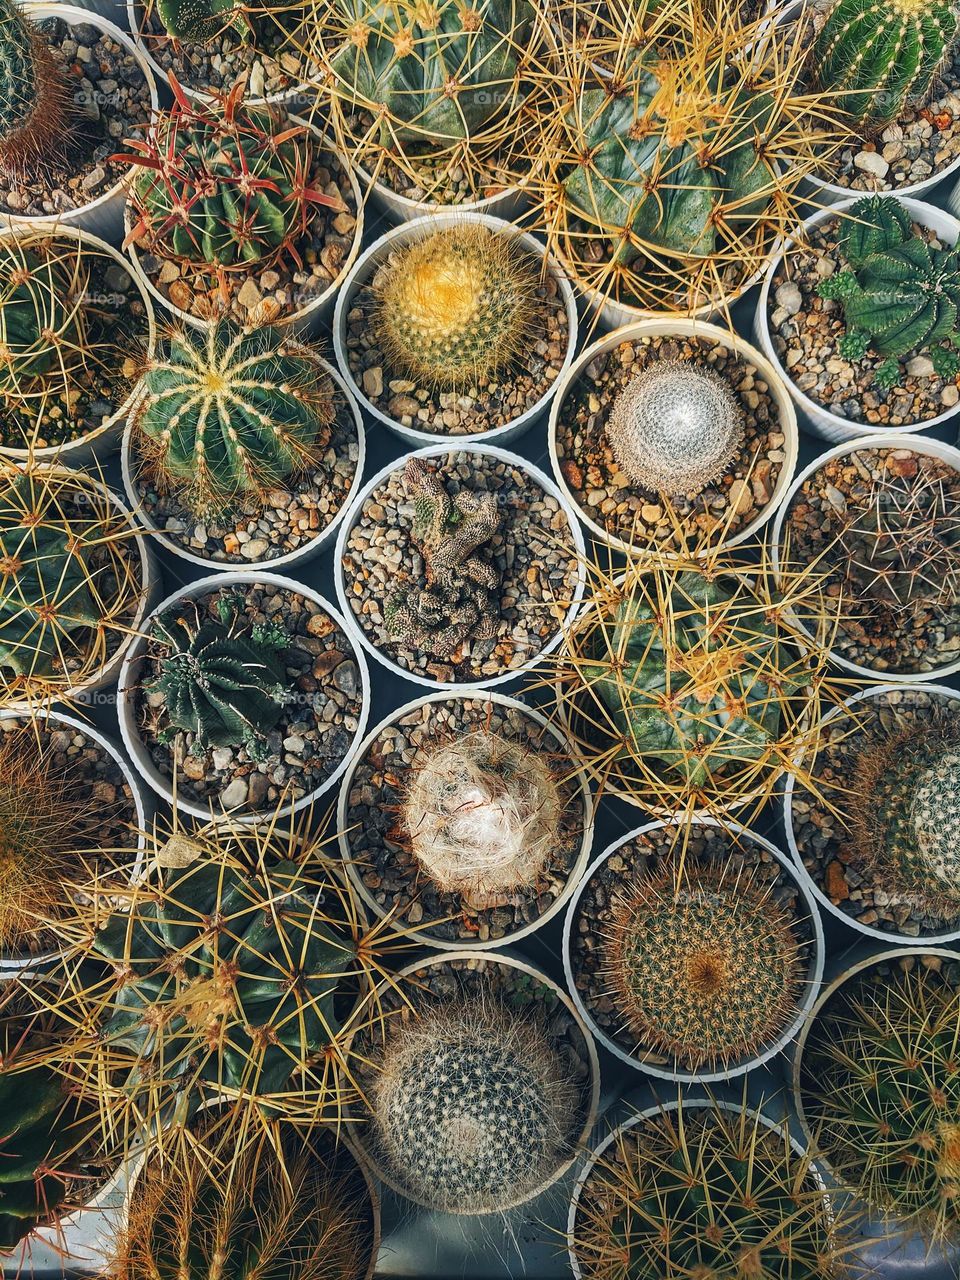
<point>33,94</point>
<point>456,307</point>
<point>41,316</point>
<point>881,56</point>
<point>225,414</point>
<point>472,1107</point>
<point>675,427</point>
<point>482,815</point>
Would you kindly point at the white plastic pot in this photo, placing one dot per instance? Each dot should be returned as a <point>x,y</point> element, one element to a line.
<point>883,935</point>
<point>611,314</point>
<point>507,204</point>
<point>103,216</point>
<point>350,521</point>
<point>665,326</point>
<point>916,444</point>
<point>409,233</point>
<point>298,557</point>
<point>423,934</point>
<point>98,444</point>
<point>130,682</point>
<point>680,1075</point>
<point>822,422</point>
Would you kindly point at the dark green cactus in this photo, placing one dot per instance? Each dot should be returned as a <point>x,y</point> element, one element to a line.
<point>899,295</point>
<point>33,97</point>
<point>222,681</point>
<point>881,56</point>
<point>202,21</point>
<point>459,600</point>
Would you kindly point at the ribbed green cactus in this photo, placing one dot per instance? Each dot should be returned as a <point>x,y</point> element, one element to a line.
<point>675,427</point>
<point>456,307</point>
<point>459,600</point>
<point>899,295</point>
<point>38,315</point>
<point>881,56</point>
<point>33,97</point>
<point>202,21</point>
<point>473,1107</point>
<point>223,681</point>
<point>706,971</point>
<point>880,1086</point>
<point>225,414</point>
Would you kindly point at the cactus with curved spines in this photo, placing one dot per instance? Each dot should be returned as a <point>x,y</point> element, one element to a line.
<point>482,815</point>
<point>879,1084</point>
<point>701,1191</point>
<point>202,21</point>
<point>472,1107</point>
<point>880,57</point>
<point>34,119</point>
<point>40,314</point>
<point>222,680</point>
<point>675,427</point>
<point>224,414</point>
<point>457,307</point>
<point>459,600</point>
<point>899,296</point>
<point>224,184</point>
<point>706,970</point>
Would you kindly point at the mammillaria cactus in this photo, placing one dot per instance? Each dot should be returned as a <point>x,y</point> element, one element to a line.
<point>482,815</point>
<point>459,599</point>
<point>706,970</point>
<point>33,93</point>
<point>899,295</point>
<point>457,307</point>
<point>472,1107</point>
<point>675,427</point>
<point>226,413</point>
<point>881,56</point>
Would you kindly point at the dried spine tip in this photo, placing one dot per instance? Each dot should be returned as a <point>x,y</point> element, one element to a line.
<point>675,427</point>
<point>482,815</point>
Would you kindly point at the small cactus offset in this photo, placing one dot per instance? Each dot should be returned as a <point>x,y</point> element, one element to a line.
<point>482,816</point>
<point>222,682</point>
<point>675,427</point>
<point>459,601</point>
<point>34,115</point>
<point>880,57</point>
<point>899,296</point>
<point>224,414</point>
<point>706,971</point>
<point>457,307</point>
<point>473,1107</point>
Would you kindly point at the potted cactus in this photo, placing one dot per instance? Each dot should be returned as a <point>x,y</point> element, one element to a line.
<point>466,819</point>
<point>692,951</point>
<point>74,323</point>
<point>455,325</point>
<point>240,211</point>
<point>672,433</point>
<point>853,360</point>
<point>244,446</point>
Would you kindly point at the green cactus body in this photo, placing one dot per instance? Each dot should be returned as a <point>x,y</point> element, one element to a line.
<point>33,96</point>
<point>881,56</point>
<point>202,21</point>
<point>38,317</point>
<point>225,414</point>
<point>436,72</point>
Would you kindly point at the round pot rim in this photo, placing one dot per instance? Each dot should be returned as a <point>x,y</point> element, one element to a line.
<point>129,682</point>
<point>421,933</point>
<point>427,208</point>
<point>928,445</point>
<point>290,558</point>
<point>419,229</point>
<point>590,1094</point>
<point>29,229</point>
<point>542,480</point>
<point>804,1003</point>
<point>860,429</point>
<point>867,930</point>
<point>665,325</point>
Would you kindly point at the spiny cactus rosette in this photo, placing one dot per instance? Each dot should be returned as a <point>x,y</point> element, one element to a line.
<point>691,949</point>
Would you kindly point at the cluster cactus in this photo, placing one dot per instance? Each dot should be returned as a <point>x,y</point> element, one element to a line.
<point>878,1083</point>
<point>482,815</point>
<point>473,1107</point>
<point>675,427</point>
<point>224,414</point>
<point>879,57</point>
<point>457,307</point>
<point>899,296</point>
<point>706,970</point>
<point>459,600</point>
<point>34,95</point>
